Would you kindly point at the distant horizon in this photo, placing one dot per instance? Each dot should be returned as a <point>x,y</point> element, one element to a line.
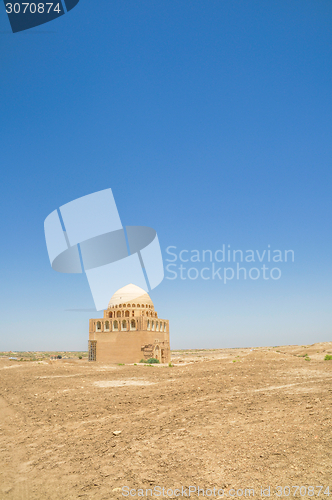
<point>198,349</point>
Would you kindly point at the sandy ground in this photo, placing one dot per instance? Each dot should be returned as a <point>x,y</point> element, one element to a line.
<point>223,419</point>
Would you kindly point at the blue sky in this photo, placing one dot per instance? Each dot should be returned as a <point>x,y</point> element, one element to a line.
<point>210,121</point>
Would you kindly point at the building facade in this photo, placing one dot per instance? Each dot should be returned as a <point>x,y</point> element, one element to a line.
<point>130,330</point>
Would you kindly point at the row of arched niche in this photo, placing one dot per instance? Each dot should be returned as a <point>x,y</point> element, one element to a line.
<point>154,326</point>
<point>134,305</point>
<point>126,314</point>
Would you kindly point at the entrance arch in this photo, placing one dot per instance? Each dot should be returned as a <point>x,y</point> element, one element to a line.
<point>156,353</point>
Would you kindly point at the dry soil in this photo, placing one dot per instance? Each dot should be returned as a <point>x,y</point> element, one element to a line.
<point>224,419</point>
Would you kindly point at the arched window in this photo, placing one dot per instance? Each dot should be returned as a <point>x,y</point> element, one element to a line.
<point>157,326</point>
<point>152,326</point>
<point>110,315</point>
<point>127,314</point>
<point>120,305</point>
<point>98,326</point>
<point>148,324</point>
<point>138,305</point>
<point>107,326</point>
<point>133,305</point>
<point>118,314</point>
<point>115,326</point>
<point>133,325</point>
<point>124,325</point>
<point>164,327</point>
<point>156,315</point>
<point>132,313</point>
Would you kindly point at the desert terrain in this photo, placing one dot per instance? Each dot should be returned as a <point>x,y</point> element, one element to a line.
<point>226,419</point>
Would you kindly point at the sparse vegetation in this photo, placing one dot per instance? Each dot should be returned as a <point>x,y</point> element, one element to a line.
<point>328,357</point>
<point>170,364</point>
<point>120,364</point>
<point>150,361</point>
<point>307,358</point>
<point>153,360</point>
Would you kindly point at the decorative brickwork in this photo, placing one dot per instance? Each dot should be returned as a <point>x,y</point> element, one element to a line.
<point>92,350</point>
<point>158,350</point>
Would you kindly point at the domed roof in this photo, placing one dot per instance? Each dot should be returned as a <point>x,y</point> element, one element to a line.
<point>130,293</point>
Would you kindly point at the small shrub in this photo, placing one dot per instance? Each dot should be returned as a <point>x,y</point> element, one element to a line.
<point>170,365</point>
<point>153,360</point>
<point>143,361</point>
<point>59,356</point>
<point>79,357</point>
<point>328,357</point>
<point>307,358</point>
<point>120,364</point>
<point>135,364</point>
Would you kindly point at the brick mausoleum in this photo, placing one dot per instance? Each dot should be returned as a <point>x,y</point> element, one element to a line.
<point>130,330</point>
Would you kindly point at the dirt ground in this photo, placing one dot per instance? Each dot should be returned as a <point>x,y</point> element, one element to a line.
<point>228,419</point>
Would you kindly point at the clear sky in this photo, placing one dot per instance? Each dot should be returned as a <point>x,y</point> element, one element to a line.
<point>211,122</point>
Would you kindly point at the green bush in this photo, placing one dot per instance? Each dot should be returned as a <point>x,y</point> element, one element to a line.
<point>79,357</point>
<point>328,357</point>
<point>307,358</point>
<point>120,364</point>
<point>170,365</point>
<point>152,360</point>
<point>143,361</point>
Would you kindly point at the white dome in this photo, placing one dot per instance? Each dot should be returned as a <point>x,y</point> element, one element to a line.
<point>130,293</point>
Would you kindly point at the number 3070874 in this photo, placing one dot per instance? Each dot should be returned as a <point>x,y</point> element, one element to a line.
<point>33,8</point>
